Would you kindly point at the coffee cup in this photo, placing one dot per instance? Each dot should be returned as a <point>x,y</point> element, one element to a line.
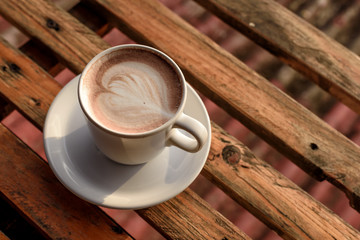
<point>133,98</point>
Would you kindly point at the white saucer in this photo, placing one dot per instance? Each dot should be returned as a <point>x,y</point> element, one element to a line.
<point>86,172</point>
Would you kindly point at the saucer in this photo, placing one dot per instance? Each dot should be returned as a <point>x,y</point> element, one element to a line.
<point>86,172</point>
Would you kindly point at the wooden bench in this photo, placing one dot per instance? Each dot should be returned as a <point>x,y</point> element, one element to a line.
<point>60,39</point>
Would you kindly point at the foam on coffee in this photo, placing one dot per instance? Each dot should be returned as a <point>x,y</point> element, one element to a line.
<point>132,90</point>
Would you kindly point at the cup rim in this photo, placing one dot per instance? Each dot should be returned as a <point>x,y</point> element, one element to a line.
<point>139,134</point>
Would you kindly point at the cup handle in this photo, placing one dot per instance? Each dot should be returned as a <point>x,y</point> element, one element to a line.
<point>192,126</point>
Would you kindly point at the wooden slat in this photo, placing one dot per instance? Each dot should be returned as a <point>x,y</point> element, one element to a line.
<point>205,222</point>
<point>37,87</point>
<point>293,130</point>
<point>270,196</point>
<point>29,184</point>
<point>56,28</point>
<point>3,236</point>
<point>44,57</point>
<point>317,100</point>
<point>14,77</point>
<point>276,218</point>
<point>326,62</point>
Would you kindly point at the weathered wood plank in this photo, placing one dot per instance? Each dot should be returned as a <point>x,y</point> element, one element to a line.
<point>270,196</point>
<point>3,236</point>
<point>44,57</point>
<point>325,17</point>
<point>59,30</point>
<point>165,216</point>
<point>23,83</point>
<point>293,130</point>
<point>297,43</point>
<point>29,184</point>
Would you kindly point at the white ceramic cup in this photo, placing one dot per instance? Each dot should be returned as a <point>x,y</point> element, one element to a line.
<point>141,147</point>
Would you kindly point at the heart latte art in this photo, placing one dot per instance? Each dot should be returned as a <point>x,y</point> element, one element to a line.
<point>132,91</point>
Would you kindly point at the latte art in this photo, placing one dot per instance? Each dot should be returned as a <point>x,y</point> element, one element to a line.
<point>133,95</point>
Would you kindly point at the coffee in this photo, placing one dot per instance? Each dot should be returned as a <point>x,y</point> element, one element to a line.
<point>131,90</point>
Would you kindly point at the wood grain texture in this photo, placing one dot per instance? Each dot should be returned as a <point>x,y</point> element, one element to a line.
<point>205,222</point>
<point>3,236</point>
<point>29,184</point>
<point>268,195</point>
<point>23,83</point>
<point>57,29</point>
<point>45,58</point>
<point>263,108</point>
<point>323,60</point>
<point>42,54</point>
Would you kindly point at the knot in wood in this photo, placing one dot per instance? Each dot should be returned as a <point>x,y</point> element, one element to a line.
<point>36,102</point>
<point>231,154</point>
<point>52,24</point>
<point>14,68</point>
<point>314,146</point>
